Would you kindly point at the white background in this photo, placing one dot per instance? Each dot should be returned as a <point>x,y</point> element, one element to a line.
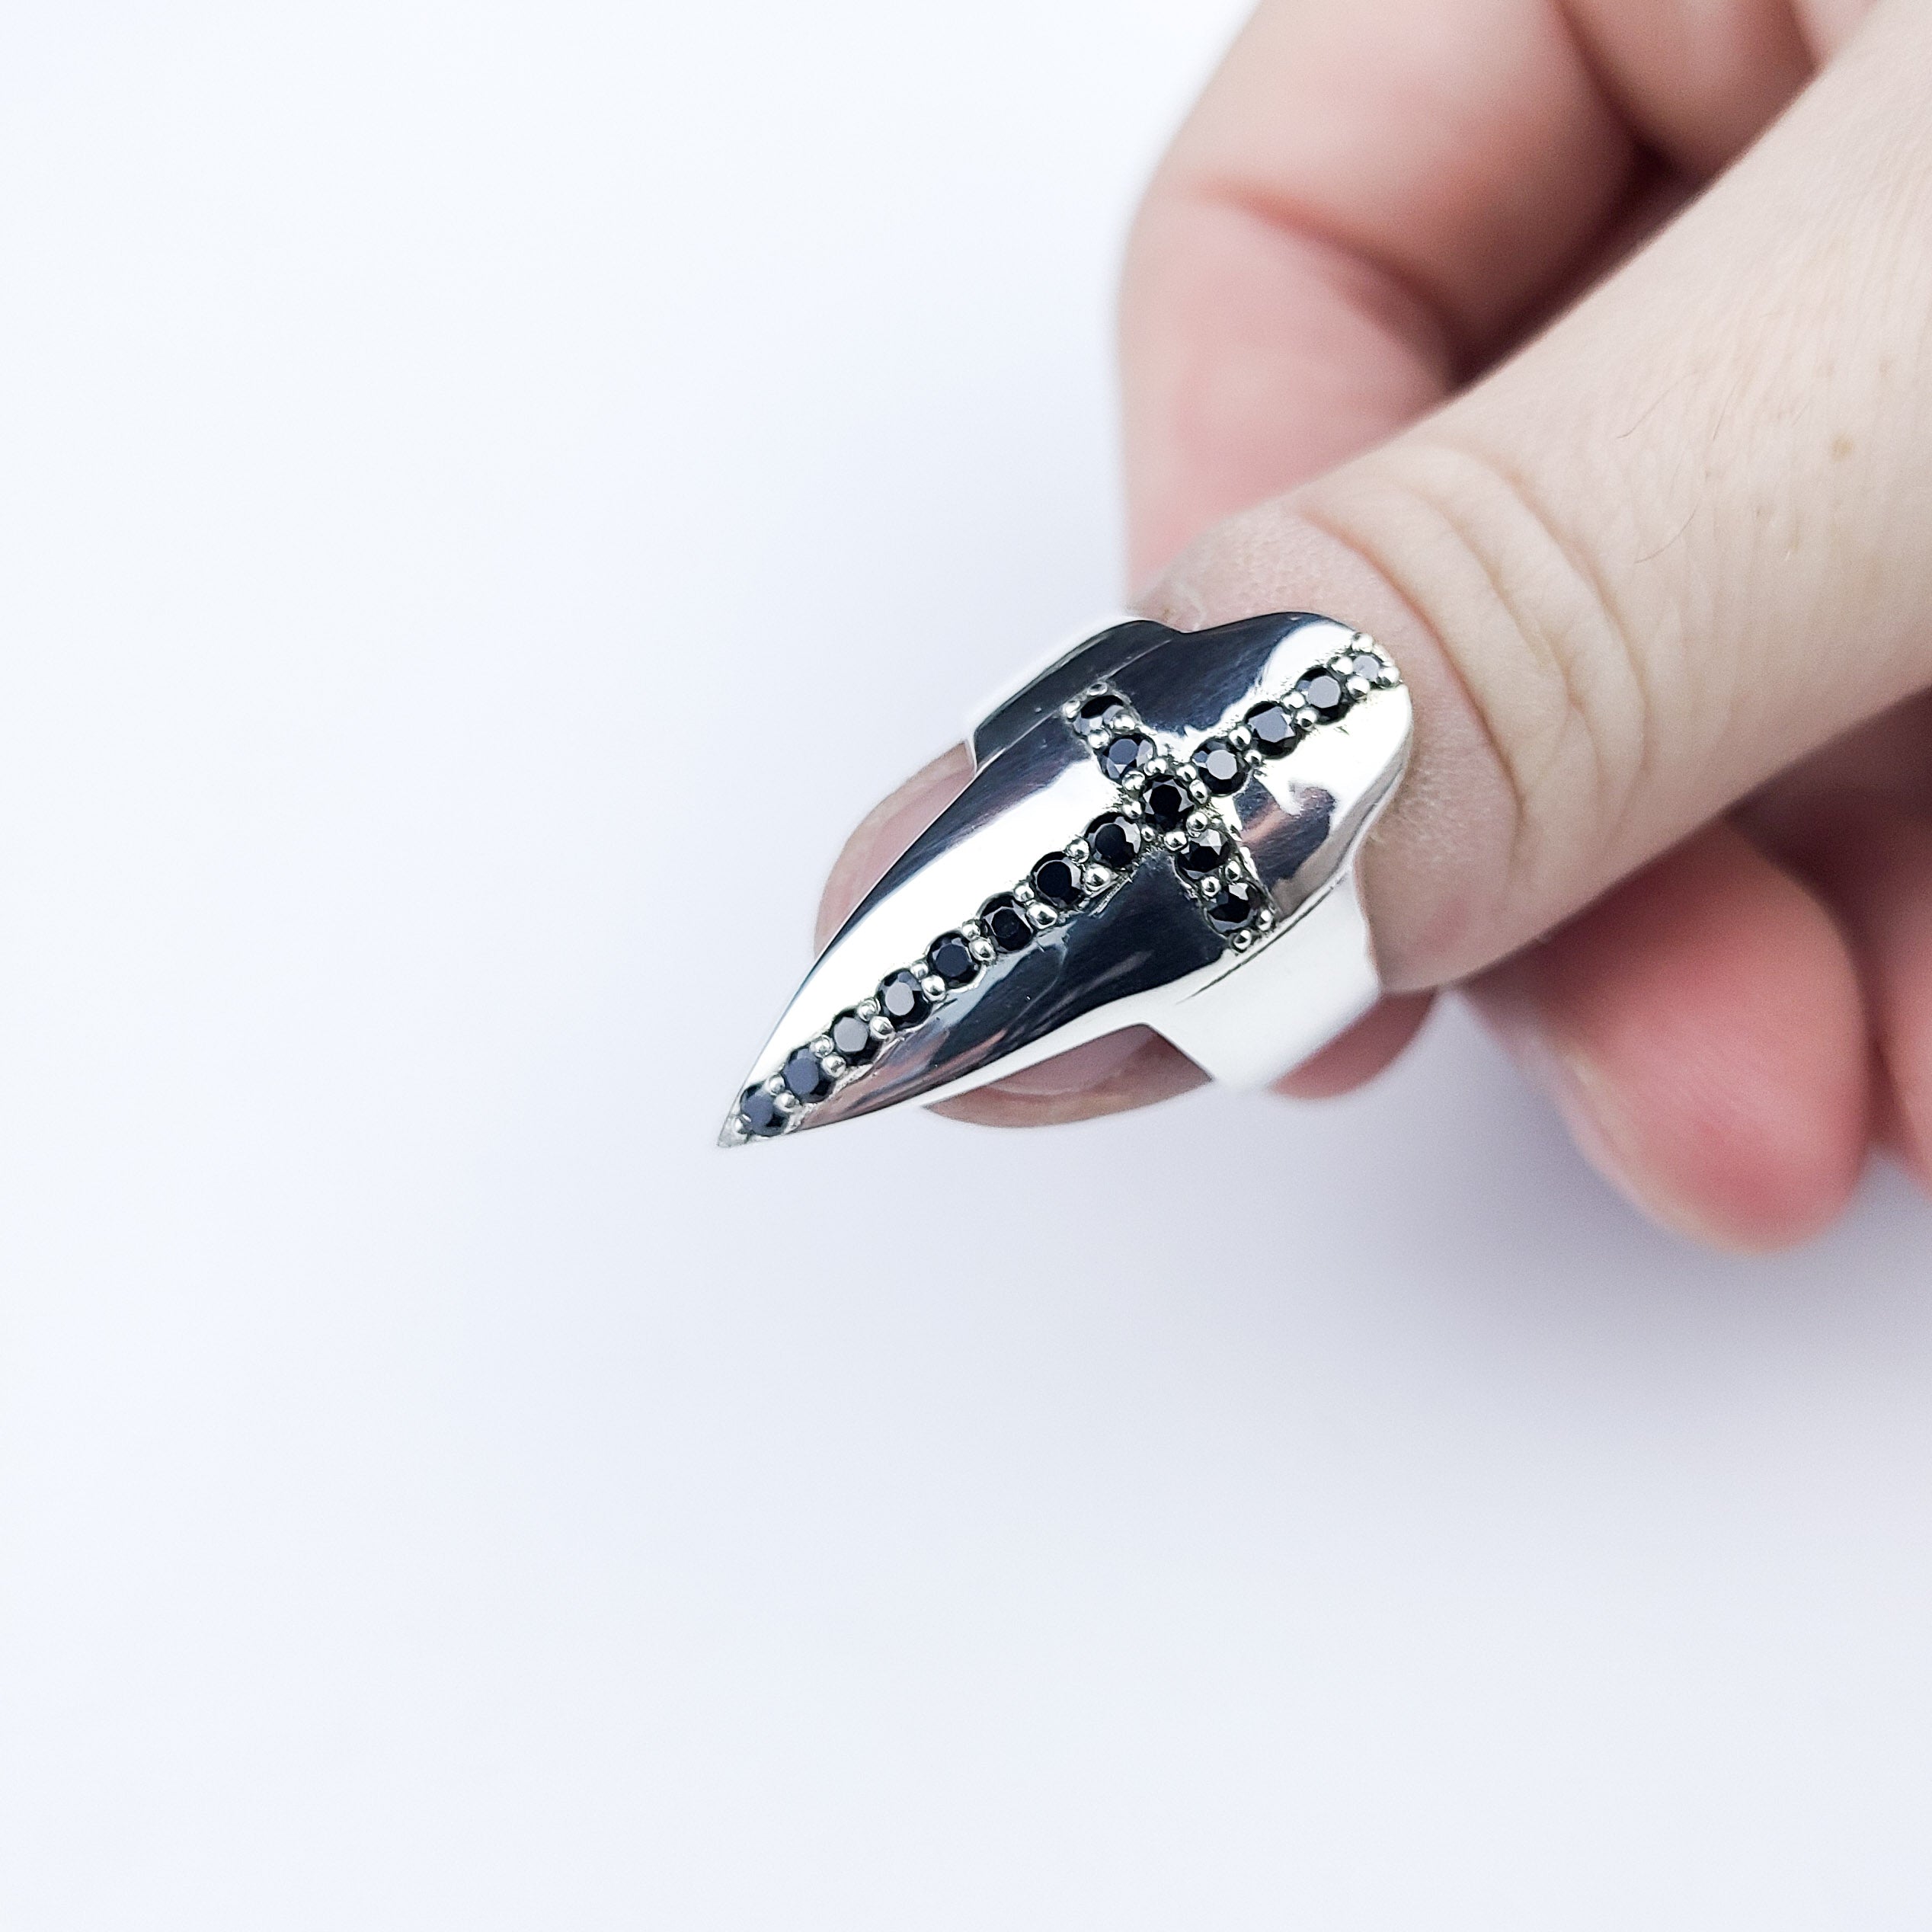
<point>488,495</point>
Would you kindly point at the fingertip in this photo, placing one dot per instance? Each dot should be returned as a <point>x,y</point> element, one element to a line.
<point>1701,1030</point>
<point>1871,858</point>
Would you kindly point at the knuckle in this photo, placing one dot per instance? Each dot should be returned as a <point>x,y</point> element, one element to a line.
<point>1535,633</point>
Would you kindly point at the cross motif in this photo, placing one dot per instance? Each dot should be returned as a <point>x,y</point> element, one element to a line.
<point>1167,793</point>
<point>1168,788</point>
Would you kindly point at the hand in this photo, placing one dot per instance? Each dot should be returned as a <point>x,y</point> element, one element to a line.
<point>1583,355</point>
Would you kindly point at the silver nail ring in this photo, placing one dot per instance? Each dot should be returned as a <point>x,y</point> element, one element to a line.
<point>1160,830</point>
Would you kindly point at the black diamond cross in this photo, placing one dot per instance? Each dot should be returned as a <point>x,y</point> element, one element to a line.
<point>1168,782</point>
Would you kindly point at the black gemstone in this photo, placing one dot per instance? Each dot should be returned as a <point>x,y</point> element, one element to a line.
<point>1116,842</point>
<point>1056,881</point>
<point>1273,728</point>
<point>950,957</point>
<point>1220,765</point>
<point>1126,753</point>
<point>805,1075</point>
<point>1011,930</point>
<point>1323,693</point>
<point>1097,707</point>
<point>1235,906</point>
<point>904,999</point>
<point>1167,804</point>
<point>1366,665</point>
<point>758,1113</point>
<point>853,1038</point>
<point>1207,851</point>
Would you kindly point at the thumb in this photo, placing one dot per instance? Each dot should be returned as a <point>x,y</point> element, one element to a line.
<point>1665,551</point>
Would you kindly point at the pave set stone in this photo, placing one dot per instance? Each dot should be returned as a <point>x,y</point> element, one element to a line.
<point>1165,805</point>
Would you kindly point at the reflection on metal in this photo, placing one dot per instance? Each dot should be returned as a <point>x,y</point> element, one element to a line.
<point>1160,831</point>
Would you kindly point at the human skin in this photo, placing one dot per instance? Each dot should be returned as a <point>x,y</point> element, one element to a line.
<point>1582,353</point>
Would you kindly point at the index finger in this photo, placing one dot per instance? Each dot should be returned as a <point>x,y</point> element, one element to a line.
<point>1368,199</point>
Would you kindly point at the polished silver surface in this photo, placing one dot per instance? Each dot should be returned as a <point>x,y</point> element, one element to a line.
<point>1245,763</point>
